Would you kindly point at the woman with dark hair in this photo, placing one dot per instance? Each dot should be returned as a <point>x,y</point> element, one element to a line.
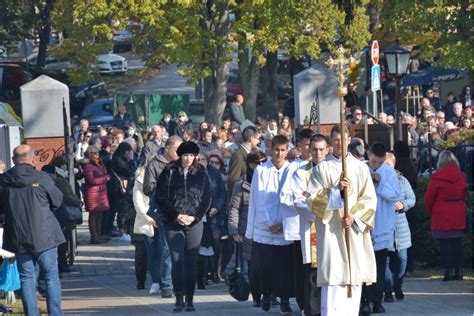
<point>445,202</point>
<point>238,211</point>
<point>60,174</point>
<point>210,244</point>
<point>121,171</point>
<point>95,192</point>
<point>184,196</point>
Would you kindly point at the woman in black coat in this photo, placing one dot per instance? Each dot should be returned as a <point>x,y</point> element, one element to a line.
<point>184,196</point>
<point>121,169</point>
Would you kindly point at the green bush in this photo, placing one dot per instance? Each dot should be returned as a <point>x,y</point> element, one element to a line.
<point>425,248</point>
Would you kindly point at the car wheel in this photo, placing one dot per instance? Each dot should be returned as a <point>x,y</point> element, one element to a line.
<point>11,93</point>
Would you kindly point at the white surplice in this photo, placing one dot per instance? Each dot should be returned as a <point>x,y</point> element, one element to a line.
<point>265,208</point>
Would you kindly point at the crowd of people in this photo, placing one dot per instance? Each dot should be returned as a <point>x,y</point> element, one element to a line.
<point>190,197</point>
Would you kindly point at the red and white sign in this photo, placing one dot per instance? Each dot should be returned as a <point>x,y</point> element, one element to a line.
<point>374,52</point>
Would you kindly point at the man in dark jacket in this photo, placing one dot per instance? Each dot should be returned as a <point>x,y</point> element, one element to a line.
<point>236,110</point>
<point>122,119</point>
<point>27,198</point>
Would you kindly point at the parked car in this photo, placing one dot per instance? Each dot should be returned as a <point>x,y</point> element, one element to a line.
<point>12,77</point>
<point>98,113</point>
<point>85,93</point>
<point>52,63</point>
<point>122,41</point>
<point>112,64</point>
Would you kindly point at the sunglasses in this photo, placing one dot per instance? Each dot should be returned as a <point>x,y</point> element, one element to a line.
<point>260,162</point>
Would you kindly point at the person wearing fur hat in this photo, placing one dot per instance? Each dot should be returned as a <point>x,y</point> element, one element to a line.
<point>184,196</point>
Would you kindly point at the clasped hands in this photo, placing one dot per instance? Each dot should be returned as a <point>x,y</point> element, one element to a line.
<point>276,228</point>
<point>184,219</point>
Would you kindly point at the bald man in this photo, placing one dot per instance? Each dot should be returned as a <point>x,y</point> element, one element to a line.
<point>27,200</point>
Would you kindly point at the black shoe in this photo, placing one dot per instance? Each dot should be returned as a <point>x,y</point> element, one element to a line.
<point>179,305</point>
<point>275,301</point>
<point>140,285</point>
<point>365,309</point>
<point>378,309</point>
<point>399,295</point>
<point>257,302</point>
<point>166,293</point>
<point>388,298</point>
<point>458,274</point>
<point>285,308</point>
<point>189,304</point>
<point>266,303</point>
<point>448,275</point>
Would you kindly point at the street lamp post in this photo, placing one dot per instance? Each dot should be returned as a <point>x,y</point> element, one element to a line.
<point>397,60</point>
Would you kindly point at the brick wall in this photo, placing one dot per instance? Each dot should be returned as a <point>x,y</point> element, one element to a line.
<point>46,148</point>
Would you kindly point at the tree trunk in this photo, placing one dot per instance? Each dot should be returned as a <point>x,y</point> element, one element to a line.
<point>249,73</point>
<point>268,80</point>
<point>44,31</point>
<point>215,95</point>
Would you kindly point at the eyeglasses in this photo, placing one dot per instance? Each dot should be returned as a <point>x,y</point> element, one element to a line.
<point>260,162</point>
<point>358,113</point>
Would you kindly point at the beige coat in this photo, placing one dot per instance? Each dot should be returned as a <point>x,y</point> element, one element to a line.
<point>333,267</point>
<point>142,203</point>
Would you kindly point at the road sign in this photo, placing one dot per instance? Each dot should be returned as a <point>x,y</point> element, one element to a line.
<point>375,82</point>
<point>374,53</point>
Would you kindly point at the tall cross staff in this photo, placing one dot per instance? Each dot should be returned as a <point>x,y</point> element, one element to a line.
<point>339,64</point>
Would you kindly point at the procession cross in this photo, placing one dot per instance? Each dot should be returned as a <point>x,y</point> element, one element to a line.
<point>339,64</point>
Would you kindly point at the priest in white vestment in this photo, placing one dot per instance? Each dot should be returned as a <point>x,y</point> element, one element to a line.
<point>334,274</point>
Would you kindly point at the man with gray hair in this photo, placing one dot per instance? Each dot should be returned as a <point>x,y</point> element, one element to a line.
<point>159,259</point>
<point>27,200</point>
<point>154,143</point>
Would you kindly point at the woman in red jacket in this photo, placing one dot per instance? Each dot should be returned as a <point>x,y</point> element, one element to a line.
<point>95,193</point>
<point>445,201</point>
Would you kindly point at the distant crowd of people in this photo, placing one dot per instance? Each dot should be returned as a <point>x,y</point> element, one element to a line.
<point>190,197</point>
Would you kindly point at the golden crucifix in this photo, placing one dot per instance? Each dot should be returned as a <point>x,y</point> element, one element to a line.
<point>339,64</point>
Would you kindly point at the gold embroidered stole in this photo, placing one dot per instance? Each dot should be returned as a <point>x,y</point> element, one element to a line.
<point>313,241</point>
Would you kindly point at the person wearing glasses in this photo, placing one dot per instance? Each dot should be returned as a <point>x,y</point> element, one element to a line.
<point>357,116</point>
<point>82,144</point>
<point>434,101</point>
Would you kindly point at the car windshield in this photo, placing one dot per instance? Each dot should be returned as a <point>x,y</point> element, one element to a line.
<point>98,109</point>
<point>3,108</point>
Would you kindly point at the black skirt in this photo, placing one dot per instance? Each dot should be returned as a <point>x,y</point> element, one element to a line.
<point>271,270</point>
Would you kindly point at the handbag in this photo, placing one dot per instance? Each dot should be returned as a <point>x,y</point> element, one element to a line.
<point>238,285</point>
<point>73,214</point>
<point>9,277</point>
<point>123,184</point>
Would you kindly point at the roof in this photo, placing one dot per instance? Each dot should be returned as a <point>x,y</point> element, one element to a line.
<point>8,119</point>
<point>42,83</point>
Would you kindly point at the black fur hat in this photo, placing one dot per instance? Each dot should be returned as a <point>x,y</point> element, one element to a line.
<point>188,148</point>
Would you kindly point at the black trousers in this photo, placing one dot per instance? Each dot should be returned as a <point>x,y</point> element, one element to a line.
<point>451,250</point>
<point>141,260</point>
<point>374,293</point>
<point>272,270</point>
<point>184,245</point>
<point>308,294</point>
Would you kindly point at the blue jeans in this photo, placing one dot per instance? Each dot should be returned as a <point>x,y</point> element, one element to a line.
<point>159,259</point>
<point>47,262</point>
<point>395,270</point>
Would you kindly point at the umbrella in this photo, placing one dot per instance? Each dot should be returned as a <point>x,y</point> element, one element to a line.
<point>428,76</point>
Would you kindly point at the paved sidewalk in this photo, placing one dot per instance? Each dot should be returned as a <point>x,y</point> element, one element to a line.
<point>105,285</point>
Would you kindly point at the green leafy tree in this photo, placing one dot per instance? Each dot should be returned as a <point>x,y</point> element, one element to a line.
<point>18,20</point>
<point>298,27</point>
<point>441,28</point>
